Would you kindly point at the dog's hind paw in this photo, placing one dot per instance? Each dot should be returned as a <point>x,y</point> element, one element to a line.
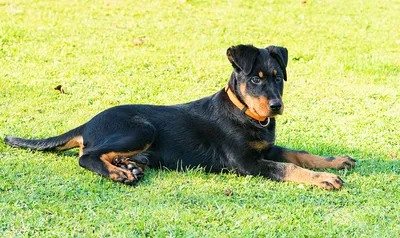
<point>131,172</point>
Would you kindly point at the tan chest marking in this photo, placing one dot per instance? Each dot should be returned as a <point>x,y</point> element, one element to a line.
<point>260,145</point>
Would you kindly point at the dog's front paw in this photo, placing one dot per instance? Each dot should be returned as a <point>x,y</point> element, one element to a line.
<point>342,162</point>
<point>327,181</point>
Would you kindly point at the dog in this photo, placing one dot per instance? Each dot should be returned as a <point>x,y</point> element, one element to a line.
<point>232,130</point>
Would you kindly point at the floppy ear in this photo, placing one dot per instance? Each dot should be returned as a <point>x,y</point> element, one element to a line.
<point>280,54</point>
<point>242,57</point>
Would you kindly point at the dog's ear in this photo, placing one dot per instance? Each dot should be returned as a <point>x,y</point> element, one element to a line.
<point>242,57</point>
<point>281,55</point>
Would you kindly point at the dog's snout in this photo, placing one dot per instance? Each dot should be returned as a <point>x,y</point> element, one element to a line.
<point>275,105</point>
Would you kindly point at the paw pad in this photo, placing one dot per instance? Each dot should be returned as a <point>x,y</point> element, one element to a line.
<point>133,172</point>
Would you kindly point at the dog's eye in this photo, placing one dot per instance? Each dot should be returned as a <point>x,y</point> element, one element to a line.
<point>278,78</point>
<point>256,80</point>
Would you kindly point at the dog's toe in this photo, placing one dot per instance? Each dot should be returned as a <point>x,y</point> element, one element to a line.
<point>129,173</point>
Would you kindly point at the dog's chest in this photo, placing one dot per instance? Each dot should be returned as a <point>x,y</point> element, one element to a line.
<point>261,140</point>
<point>260,145</point>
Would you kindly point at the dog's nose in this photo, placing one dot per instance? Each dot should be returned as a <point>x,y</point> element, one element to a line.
<point>275,105</point>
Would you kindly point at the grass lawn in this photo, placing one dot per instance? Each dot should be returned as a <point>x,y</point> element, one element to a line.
<point>342,97</point>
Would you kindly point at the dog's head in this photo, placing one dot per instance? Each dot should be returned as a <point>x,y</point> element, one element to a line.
<point>257,79</point>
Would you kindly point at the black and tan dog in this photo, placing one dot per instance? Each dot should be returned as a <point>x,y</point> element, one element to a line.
<point>232,130</point>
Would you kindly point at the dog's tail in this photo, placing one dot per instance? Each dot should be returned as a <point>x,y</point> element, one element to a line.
<point>65,141</point>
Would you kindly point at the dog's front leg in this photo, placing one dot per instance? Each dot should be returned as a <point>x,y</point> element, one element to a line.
<point>305,159</point>
<point>289,172</point>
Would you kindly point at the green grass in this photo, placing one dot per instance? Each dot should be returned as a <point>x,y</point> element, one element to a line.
<point>342,97</point>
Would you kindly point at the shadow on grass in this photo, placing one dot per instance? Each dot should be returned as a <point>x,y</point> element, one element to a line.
<point>369,163</point>
<point>375,164</point>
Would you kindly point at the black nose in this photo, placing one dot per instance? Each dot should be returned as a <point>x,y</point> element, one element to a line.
<point>275,105</point>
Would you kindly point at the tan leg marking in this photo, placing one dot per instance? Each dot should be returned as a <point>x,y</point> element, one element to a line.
<point>77,141</point>
<point>318,162</point>
<point>297,174</point>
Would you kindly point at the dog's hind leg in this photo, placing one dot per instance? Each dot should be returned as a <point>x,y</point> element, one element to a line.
<point>110,158</point>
